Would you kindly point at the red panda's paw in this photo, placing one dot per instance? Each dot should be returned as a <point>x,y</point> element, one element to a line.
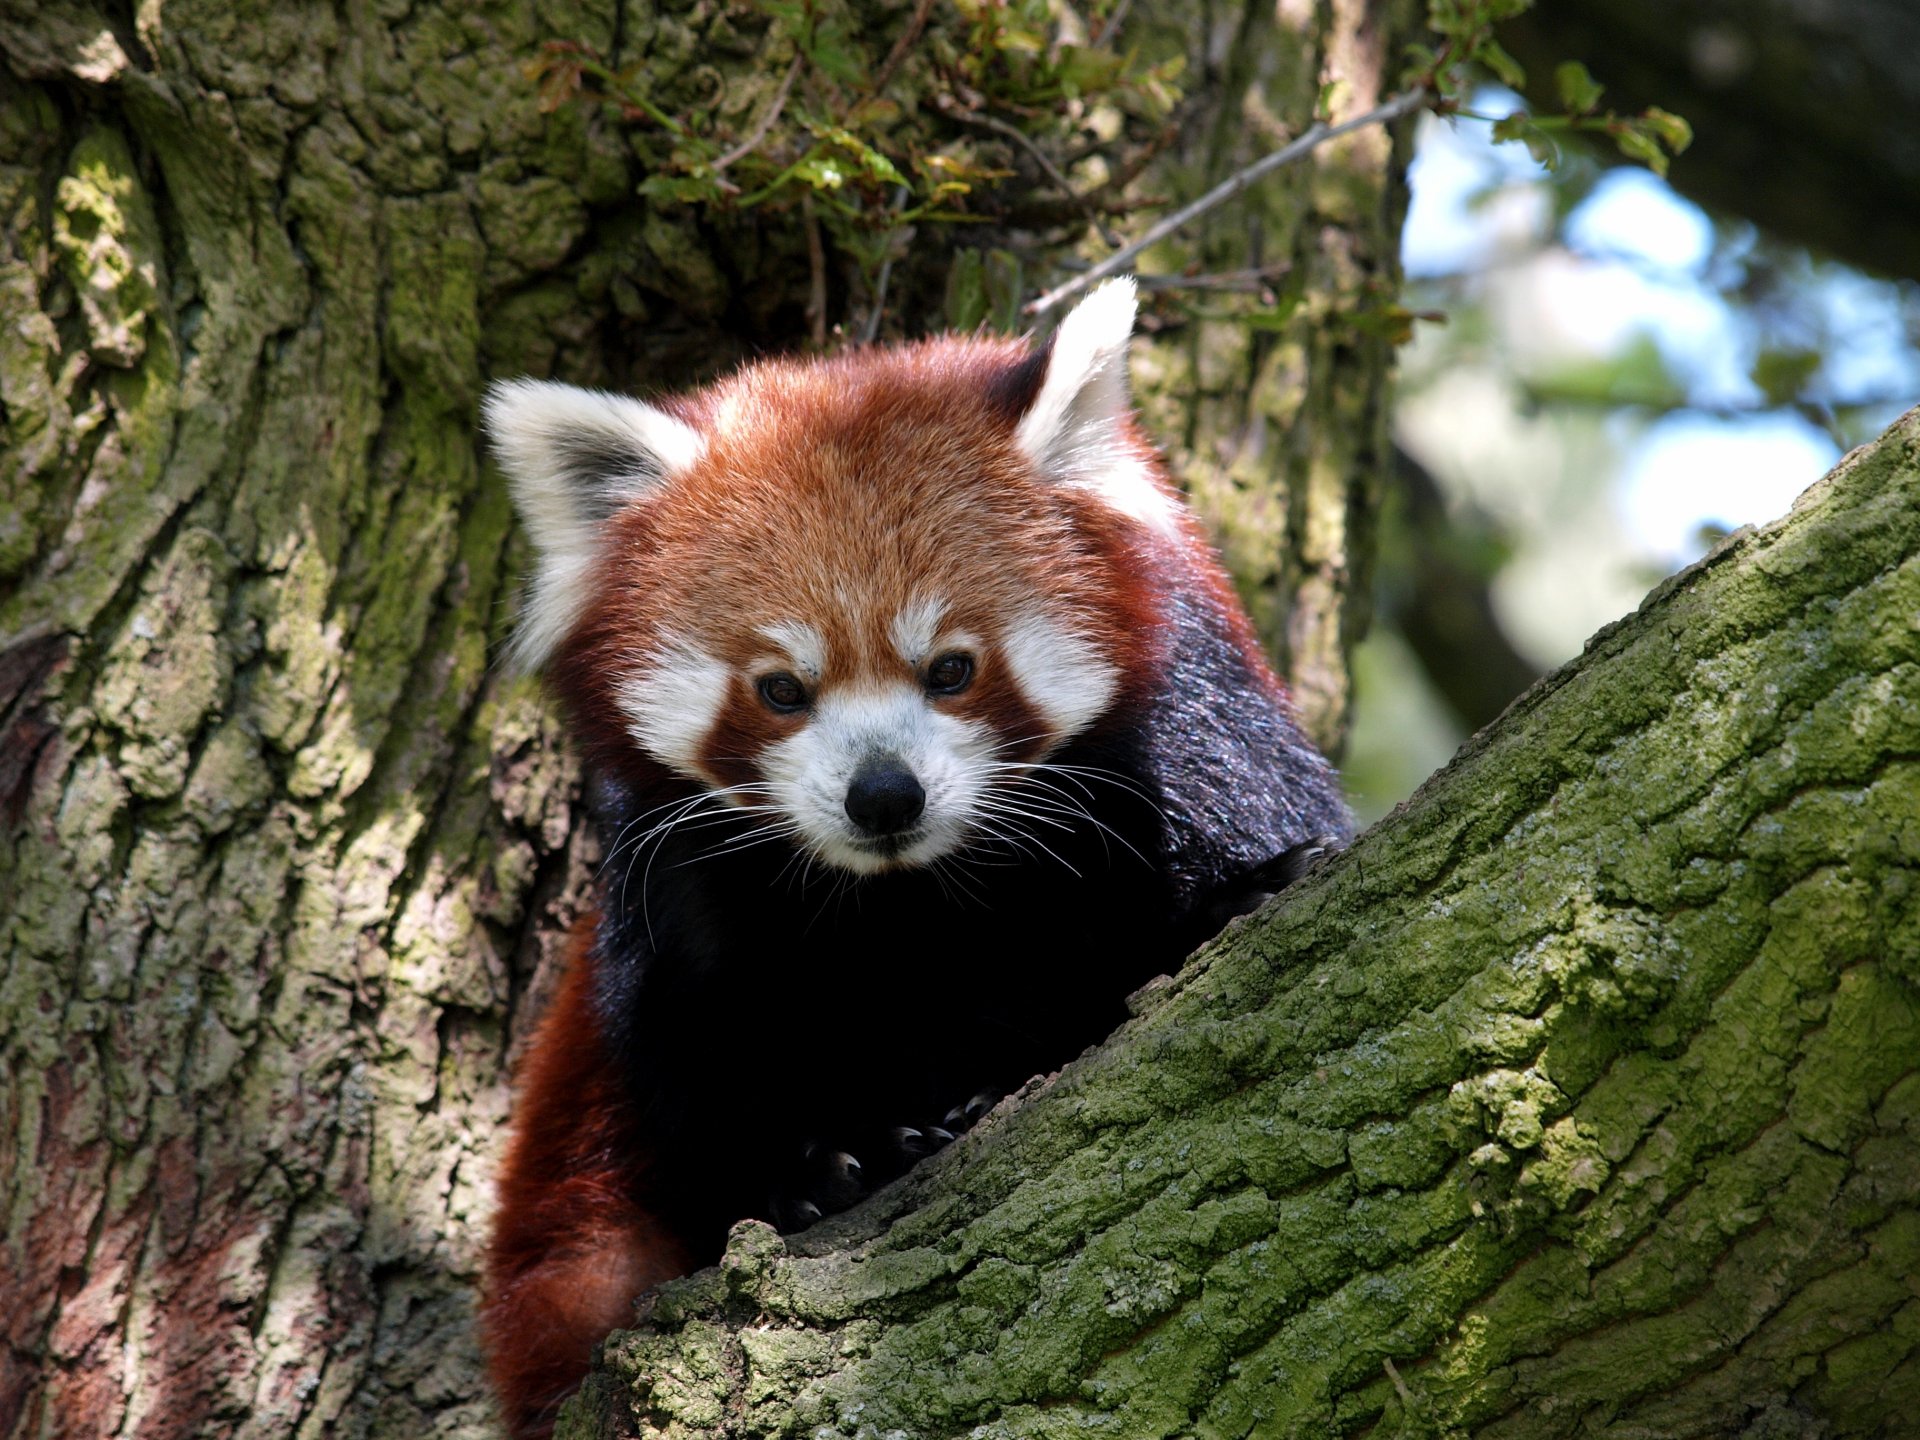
<point>962,1117</point>
<point>820,1181</point>
<point>825,1179</point>
<point>1248,892</point>
<point>1305,858</point>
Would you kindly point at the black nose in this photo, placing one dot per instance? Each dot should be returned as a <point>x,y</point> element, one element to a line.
<point>884,798</point>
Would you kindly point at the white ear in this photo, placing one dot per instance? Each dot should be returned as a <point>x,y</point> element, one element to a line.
<point>1075,431</point>
<point>573,457</point>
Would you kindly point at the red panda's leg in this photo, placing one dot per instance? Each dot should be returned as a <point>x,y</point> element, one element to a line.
<point>571,1246</point>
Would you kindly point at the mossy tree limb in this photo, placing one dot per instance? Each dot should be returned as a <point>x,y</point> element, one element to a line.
<point>1581,1097</point>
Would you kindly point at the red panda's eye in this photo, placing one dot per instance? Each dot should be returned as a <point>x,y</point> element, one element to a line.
<point>782,692</point>
<point>949,674</point>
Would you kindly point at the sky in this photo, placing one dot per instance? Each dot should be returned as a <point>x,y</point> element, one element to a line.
<point>1639,261</point>
<point>1598,501</point>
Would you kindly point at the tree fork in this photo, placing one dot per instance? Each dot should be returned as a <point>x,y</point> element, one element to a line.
<point>1582,1096</point>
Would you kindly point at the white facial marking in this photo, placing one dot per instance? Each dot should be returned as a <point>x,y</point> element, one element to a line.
<point>572,458</point>
<point>804,646</point>
<point>809,772</point>
<point>1074,432</point>
<point>1063,675</point>
<point>914,629</point>
<point>672,701</point>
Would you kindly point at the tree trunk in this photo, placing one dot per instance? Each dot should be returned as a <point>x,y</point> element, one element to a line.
<point>285,860</point>
<point>1581,1097</point>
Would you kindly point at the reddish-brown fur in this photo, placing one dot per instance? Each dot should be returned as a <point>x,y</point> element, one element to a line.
<point>571,1246</point>
<point>893,465</point>
<point>829,493</point>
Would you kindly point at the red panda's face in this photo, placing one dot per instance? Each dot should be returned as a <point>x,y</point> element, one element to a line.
<point>870,676</point>
<point>859,599</point>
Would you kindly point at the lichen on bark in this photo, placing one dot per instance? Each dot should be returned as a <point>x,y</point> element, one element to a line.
<point>1580,1096</point>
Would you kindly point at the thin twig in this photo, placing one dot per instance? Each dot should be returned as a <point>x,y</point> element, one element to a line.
<point>1251,278</point>
<point>1315,135</point>
<point>1020,137</point>
<point>886,274</point>
<point>1406,1396</point>
<point>1124,170</point>
<point>1241,280</point>
<point>909,37</point>
<point>1111,26</point>
<point>816,273</point>
<point>747,146</point>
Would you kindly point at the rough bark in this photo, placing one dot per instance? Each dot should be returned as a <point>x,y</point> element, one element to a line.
<point>1581,1097</point>
<point>283,856</point>
<point>1278,428</point>
<point>1805,117</point>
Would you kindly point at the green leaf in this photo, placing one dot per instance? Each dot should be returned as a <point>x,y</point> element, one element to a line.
<point>836,53</point>
<point>1508,70</point>
<point>1513,127</point>
<point>879,166</point>
<point>1277,315</point>
<point>1579,91</point>
<point>1638,145</point>
<point>864,155</point>
<point>664,189</point>
<point>821,169</point>
<point>1529,132</point>
<point>966,291</point>
<point>1085,71</point>
<point>1674,132</point>
<point>874,110</point>
<point>1006,286</point>
<point>1392,323</point>
<point>1783,374</point>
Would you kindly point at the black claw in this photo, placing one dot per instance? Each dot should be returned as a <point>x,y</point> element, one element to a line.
<point>1302,860</point>
<point>807,1211</point>
<point>939,1136</point>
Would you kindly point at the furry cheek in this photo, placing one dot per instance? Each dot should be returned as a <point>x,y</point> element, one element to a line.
<point>671,701</point>
<point>1063,675</point>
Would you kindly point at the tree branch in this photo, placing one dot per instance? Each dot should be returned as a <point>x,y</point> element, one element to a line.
<point>1312,138</point>
<point>747,146</point>
<point>947,106</point>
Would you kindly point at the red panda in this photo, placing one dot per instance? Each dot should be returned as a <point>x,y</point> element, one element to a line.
<point>926,727</point>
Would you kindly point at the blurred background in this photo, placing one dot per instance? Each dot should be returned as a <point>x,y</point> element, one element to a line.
<point>1612,377</point>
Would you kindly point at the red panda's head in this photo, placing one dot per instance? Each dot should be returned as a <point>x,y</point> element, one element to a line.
<point>862,594</point>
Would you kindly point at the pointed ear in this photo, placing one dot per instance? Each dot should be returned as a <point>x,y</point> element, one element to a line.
<point>573,457</point>
<point>1076,430</point>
